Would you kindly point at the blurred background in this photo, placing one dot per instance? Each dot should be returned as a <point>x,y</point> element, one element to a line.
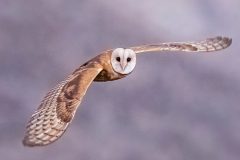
<point>173,106</point>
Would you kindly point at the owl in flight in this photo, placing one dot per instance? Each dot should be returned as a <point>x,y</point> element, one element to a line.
<point>58,107</point>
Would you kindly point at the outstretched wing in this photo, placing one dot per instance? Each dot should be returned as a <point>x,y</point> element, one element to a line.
<point>208,45</point>
<point>58,107</point>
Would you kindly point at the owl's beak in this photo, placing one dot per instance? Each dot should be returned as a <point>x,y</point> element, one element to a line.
<point>123,65</point>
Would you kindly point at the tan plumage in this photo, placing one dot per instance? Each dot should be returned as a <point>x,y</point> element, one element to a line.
<point>58,107</point>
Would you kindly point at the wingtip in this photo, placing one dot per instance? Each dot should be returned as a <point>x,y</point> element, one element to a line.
<point>224,41</point>
<point>27,143</point>
<point>226,37</point>
<point>227,41</point>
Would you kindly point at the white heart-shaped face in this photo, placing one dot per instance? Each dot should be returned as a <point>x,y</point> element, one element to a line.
<point>123,60</point>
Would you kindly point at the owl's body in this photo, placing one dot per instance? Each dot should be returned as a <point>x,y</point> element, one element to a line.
<point>107,74</point>
<point>58,107</point>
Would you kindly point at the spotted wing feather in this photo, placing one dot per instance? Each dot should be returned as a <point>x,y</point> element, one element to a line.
<point>58,107</point>
<point>208,45</point>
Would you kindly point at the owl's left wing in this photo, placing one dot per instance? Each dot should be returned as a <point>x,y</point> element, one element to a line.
<point>58,107</point>
<point>208,45</point>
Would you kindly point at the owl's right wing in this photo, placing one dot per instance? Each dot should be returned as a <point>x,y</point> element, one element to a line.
<point>208,45</point>
<point>58,107</point>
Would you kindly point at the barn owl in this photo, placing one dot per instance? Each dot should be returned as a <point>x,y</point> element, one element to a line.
<point>58,107</point>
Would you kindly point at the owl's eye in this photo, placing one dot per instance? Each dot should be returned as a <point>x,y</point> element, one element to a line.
<point>129,59</point>
<point>118,59</point>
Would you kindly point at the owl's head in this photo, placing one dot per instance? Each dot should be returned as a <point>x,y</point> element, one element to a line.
<point>123,60</point>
